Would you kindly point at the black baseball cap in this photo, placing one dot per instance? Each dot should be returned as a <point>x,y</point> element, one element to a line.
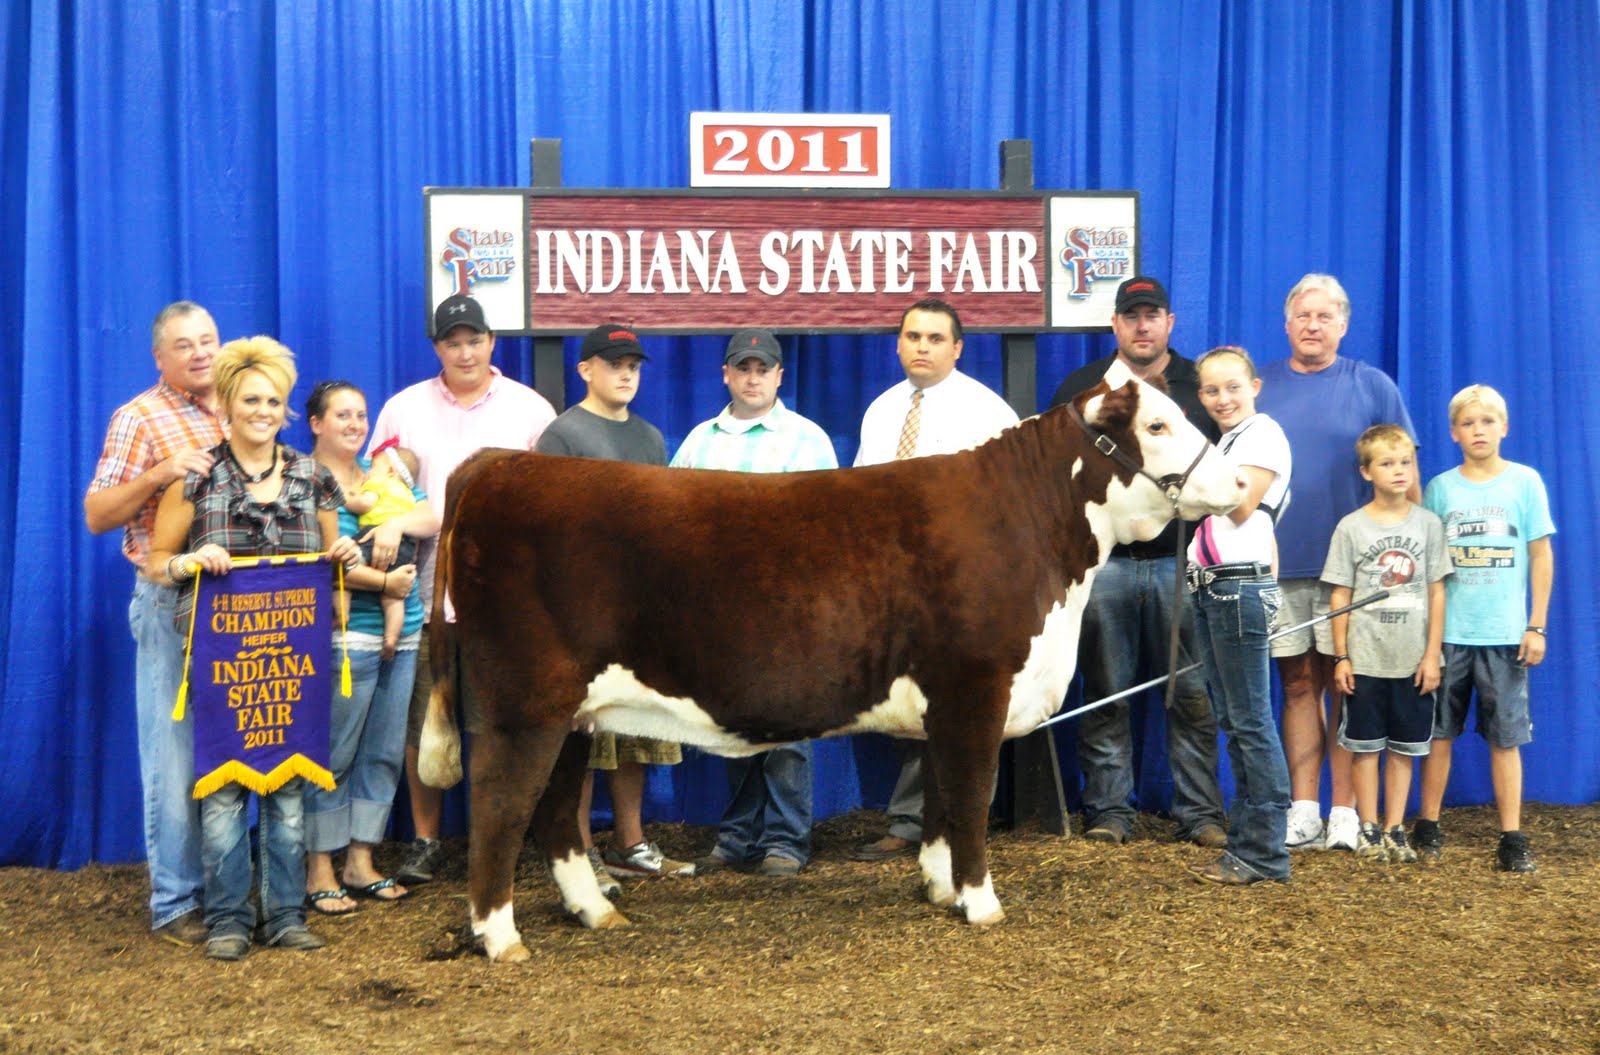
<point>611,341</point>
<point>1141,289</point>
<point>458,310</point>
<point>754,344</point>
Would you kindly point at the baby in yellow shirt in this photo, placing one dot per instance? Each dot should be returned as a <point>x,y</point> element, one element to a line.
<point>387,493</point>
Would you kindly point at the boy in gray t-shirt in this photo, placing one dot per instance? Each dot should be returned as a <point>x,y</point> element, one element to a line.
<point>1387,653</point>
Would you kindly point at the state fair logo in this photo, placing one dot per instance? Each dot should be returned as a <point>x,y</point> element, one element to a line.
<point>1396,568</point>
<point>1093,253</point>
<point>475,254</point>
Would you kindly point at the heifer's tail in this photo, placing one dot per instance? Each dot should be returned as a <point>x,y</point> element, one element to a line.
<point>439,752</point>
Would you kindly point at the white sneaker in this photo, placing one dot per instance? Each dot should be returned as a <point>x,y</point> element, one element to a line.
<point>1305,825</point>
<point>1344,829</point>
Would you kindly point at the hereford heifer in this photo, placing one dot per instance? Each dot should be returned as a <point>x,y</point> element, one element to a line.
<point>937,598</point>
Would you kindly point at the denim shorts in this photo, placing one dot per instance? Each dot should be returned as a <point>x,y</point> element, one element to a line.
<point>1303,599</point>
<point>1502,684</point>
<point>1387,713</point>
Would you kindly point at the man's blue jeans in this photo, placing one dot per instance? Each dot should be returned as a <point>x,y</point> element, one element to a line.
<point>367,744</point>
<point>225,851</point>
<point>1126,629</point>
<point>1232,620</point>
<point>770,808</point>
<point>166,756</point>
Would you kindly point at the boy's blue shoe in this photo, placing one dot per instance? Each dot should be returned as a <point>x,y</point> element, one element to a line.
<point>1400,851</point>
<point>1369,844</point>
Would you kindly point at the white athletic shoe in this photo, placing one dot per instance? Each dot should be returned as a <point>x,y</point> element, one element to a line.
<point>1305,825</point>
<point>1344,829</point>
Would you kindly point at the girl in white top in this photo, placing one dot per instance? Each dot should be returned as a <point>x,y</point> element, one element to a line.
<point>1235,600</point>
<point>1256,443</point>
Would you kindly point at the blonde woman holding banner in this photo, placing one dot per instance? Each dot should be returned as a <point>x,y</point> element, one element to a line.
<point>260,498</point>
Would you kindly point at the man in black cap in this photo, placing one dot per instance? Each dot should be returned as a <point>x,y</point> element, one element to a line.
<point>602,426</point>
<point>469,404</point>
<point>1126,624</point>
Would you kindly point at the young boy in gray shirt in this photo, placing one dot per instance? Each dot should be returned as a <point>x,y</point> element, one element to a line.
<point>1387,654</point>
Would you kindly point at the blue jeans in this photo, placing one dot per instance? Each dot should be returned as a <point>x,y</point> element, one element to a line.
<point>1232,620</point>
<point>1126,627</point>
<point>225,851</point>
<point>366,750</point>
<point>770,808</point>
<point>166,756</point>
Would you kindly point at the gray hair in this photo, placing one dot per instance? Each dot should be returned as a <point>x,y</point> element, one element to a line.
<point>1328,284</point>
<point>176,309</point>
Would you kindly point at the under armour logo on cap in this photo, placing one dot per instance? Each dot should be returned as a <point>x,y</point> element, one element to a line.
<point>459,310</point>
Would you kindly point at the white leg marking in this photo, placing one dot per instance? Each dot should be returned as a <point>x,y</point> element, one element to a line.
<point>936,881</point>
<point>581,895</point>
<point>499,933</point>
<point>979,904</point>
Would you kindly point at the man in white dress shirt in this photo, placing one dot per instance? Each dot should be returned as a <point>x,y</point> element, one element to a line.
<point>935,410</point>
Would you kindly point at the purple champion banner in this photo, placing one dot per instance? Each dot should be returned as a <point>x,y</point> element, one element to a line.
<point>262,648</point>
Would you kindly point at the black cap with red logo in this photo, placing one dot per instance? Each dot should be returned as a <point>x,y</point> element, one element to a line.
<point>1141,289</point>
<point>611,341</point>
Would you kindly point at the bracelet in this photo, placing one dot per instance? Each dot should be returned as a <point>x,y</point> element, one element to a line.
<point>1340,659</point>
<point>1536,629</point>
<point>174,576</point>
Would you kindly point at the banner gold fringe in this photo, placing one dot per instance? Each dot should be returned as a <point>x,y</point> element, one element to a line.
<point>234,771</point>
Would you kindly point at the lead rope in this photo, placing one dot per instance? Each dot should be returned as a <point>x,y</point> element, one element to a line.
<point>1178,585</point>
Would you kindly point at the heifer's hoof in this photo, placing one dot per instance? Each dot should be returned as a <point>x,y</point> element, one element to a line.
<point>604,919</point>
<point>612,920</point>
<point>938,894</point>
<point>986,920</point>
<point>515,953</point>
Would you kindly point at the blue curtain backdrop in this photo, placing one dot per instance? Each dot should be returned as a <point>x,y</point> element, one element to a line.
<point>267,160</point>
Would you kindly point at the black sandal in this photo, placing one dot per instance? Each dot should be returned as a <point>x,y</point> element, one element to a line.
<point>314,901</point>
<point>371,891</point>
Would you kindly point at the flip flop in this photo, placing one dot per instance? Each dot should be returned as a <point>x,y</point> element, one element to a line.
<point>315,901</point>
<point>371,891</point>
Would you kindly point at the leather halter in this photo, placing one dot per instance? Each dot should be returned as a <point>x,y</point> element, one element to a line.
<point>1170,485</point>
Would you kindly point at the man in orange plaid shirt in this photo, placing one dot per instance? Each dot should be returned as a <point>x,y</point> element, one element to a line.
<point>154,440</point>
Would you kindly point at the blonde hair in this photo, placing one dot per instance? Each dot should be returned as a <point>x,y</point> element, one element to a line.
<point>1233,350</point>
<point>1483,396</point>
<point>1382,436</point>
<point>261,354</point>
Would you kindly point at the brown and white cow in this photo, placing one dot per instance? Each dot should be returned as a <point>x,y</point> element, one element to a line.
<point>937,598</point>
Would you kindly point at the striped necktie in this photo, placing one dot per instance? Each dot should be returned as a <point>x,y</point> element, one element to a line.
<point>907,447</point>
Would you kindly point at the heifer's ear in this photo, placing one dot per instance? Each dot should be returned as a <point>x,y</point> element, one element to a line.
<point>1113,411</point>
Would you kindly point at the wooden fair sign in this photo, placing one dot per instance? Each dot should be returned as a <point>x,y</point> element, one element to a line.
<point>557,261</point>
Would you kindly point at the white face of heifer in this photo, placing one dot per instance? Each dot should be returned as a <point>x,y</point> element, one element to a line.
<point>1166,446</point>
